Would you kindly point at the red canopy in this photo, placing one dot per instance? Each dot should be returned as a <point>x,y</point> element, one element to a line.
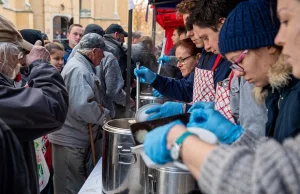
<point>167,19</point>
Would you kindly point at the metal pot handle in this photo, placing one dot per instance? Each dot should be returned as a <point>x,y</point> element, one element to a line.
<point>152,184</point>
<point>126,152</point>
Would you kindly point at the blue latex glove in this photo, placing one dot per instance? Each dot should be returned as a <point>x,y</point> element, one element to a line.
<point>156,93</point>
<point>146,75</point>
<point>202,105</point>
<point>164,59</point>
<point>215,122</point>
<point>165,110</point>
<point>155,145</point>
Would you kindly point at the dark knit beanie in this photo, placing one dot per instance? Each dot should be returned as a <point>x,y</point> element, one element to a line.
<point>31,35</point>
<point>252,24</point>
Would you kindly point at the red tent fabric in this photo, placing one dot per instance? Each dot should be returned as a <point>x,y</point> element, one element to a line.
<point>168,20</point>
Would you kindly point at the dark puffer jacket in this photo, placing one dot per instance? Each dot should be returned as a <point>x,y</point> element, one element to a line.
<point>34,111</point>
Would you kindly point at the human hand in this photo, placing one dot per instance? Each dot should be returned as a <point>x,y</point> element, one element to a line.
<point>146,75</point>
<point>131,103</point>
<point>201,105</point>
<point>215,122</point>
<point>165,110</point>
<point>37,52</point>
<point>156,93</point>
<point>164,59</point>
<point>155,145</point>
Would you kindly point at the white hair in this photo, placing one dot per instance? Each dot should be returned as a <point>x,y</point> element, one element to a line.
<point>85,51</point>
<point>9,61</point>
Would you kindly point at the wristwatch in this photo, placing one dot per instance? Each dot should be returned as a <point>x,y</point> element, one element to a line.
<point>176,147</point>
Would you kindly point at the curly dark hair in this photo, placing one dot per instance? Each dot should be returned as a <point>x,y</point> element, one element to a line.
<point>207,13</point>
<point>186,6</point>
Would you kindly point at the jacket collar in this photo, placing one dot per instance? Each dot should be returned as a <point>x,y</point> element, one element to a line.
<point>5,80</point>
<point>114,41</point>
<point>85,61</point>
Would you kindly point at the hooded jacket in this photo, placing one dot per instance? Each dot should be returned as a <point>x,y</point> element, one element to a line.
<point>282,102</point>
<point>112,82</point>
<point>34,111</point>
<point>117,49</point>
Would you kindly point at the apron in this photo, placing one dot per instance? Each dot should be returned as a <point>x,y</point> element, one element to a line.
<point>204,89</point>
<point>222,98</point>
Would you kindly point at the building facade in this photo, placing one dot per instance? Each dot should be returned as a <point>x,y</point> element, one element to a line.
<point>54,17</point>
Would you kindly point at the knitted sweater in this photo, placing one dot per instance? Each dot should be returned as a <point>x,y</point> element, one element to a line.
<point>251,166</point>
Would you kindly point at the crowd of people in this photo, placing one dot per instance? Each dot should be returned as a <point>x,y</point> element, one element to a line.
<point>233,67</point>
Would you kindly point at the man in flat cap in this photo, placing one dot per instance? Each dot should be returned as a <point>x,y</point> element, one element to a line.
<point>71,143</point>
<point>31,111</point>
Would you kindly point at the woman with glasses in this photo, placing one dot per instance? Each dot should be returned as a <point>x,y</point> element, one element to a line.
<point>249,165</point>
<point>187,55</point>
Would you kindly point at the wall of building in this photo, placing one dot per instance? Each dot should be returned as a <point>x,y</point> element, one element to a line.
<point>39,14</point>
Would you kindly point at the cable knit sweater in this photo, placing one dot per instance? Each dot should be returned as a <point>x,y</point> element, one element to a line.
<point>252,165</point>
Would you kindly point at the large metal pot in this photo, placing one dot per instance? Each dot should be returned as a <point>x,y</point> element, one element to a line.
<point>145,99</point>
<point>122,170</point>
<point>169,180</point>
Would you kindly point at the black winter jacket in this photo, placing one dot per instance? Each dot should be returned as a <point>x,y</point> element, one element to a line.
<point>34,111</point>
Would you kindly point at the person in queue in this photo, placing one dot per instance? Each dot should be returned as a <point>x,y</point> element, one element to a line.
<point>31,36</point>
<point>32,111</point>
<point>109,73</point>
<point>250,164</point>
<point>56,51</point>
<point>136,36</point>
<point>74,35</point>
<point>70,145</point>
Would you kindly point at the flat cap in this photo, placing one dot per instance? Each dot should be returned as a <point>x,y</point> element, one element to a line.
<point>92,40</point>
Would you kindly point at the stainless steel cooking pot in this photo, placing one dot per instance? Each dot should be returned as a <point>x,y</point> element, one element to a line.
<point>147,99</point>
<point>169,180</point>
<point>122,170</point>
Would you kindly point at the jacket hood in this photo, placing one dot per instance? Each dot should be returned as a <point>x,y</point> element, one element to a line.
<point>279,76</point>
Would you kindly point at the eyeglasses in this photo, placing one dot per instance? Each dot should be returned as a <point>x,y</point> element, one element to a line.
<point>182,61</point>
<point>236,65</point>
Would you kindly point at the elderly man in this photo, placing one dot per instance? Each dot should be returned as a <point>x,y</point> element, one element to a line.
<point>31,111</point>
<point>71,143</point>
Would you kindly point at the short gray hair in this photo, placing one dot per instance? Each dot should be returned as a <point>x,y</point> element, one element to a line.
<point>136,34</point>
<point>85,51</point>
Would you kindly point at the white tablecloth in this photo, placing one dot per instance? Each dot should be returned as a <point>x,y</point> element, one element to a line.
<point>93,185</point>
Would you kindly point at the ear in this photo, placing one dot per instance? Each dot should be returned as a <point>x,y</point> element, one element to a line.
<point>94,51</point>
<point>271,49</point>
<point>222,20</point>
<point>116,34</point>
